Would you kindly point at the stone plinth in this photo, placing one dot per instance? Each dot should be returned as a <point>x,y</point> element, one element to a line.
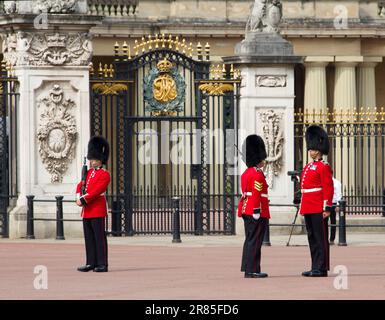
<point>267,109</point>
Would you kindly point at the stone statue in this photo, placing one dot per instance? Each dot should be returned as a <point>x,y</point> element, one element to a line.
<point>265,16</point>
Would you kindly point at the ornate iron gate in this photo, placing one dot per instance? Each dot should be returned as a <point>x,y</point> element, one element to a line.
<point>171,121</point>
<point>8,108</point>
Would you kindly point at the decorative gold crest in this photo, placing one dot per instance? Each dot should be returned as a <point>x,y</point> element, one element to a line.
<point>164,89</point>
<point>164,86</point>
<point>216,89</point>
<point>106,88</point>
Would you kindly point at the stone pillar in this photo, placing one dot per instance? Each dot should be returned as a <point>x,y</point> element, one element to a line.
<point>52,66</point>
<point>345,105</point>
<point>315,85</point>
<point>367,84</point>
<point>367,107</point>
<point>315,104</point>
<point>267,109</point>
<point>345,92</point>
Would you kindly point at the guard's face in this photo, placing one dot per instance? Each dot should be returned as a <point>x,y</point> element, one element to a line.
<point>95,163</point>
<point>261,164</point>
<point>315,154</point>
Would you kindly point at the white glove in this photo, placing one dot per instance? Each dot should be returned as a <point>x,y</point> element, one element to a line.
<point>256,216</point>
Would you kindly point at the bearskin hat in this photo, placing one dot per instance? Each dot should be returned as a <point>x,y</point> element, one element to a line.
<point>317,139</point>
<point>253,150</point>
<point>98,149</point>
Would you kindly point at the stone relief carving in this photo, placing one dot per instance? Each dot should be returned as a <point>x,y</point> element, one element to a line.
<point>38,49</point>
<point>56,6</point>
<point>272,133</point>
<point>10,7</point>
<point>270,81</point>
<point>56,133</point>
<point>265,16</point>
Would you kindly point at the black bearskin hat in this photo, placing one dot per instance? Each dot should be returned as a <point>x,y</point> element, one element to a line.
<point>98,149</point>
<point>254,150</point>
<point>317,139</point>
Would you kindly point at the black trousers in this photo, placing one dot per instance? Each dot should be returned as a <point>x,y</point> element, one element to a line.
<point>96,241</point>
<point>254,232</point>
<point>317,234</point>
<point>333,220</point>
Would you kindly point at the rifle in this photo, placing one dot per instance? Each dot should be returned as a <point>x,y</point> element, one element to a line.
<point>84,177</point>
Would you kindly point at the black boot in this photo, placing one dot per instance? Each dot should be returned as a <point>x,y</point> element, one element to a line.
<point>315,273</point>
<point>101,269</point>
<point>86,268</point>
<point>255,275</point>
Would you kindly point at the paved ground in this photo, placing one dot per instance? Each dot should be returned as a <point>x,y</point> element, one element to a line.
<point>198,268</point>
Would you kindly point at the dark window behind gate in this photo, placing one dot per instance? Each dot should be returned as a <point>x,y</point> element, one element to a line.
<point>157,156</point>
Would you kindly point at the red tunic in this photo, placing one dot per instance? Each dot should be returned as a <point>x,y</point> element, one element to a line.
<point>94,201</point>
<point>316,187</point>
<point>254,193</point>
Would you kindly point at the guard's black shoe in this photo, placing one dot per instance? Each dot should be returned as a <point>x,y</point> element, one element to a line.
<point>306,273</point>
<point>256,275</point>
<point>101,269</point>
<point>86,268</point>
<point>315,273</point>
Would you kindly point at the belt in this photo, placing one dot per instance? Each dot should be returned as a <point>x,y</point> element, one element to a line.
<point>248,194</point>
<point>311,190</point>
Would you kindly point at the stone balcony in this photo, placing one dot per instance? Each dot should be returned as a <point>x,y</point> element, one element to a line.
<point>113,8</point>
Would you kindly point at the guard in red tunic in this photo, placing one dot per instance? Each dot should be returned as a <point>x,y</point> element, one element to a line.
<point>253,206</point>
<point>316,202</point>
<point>95,206</point>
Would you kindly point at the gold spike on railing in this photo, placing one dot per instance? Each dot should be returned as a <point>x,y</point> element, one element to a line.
<point>190,50</point>
<point>207,51</point>
<point>100,70</point>
<point>125,51</point>
<point>199,51</point>
<point>163,40</point>
<point>177,43</point>
<point>116,51</point>
<point>136,48</point>
<point>143,45</point>
<point>149,42</point>
<point>105,71</point>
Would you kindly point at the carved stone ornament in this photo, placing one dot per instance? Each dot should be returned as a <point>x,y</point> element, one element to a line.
<point>56,133</point>
<point>270,81</point>
<point>38,49</point>
<point>265,16</point>
<point>10,7</point>
<point>273,137</point>
<point>56,6</point>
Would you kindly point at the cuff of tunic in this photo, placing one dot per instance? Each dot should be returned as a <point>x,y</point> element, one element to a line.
<point>83,201</point>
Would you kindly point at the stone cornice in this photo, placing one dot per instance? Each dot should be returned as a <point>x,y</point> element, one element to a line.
<point>289,28</point>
